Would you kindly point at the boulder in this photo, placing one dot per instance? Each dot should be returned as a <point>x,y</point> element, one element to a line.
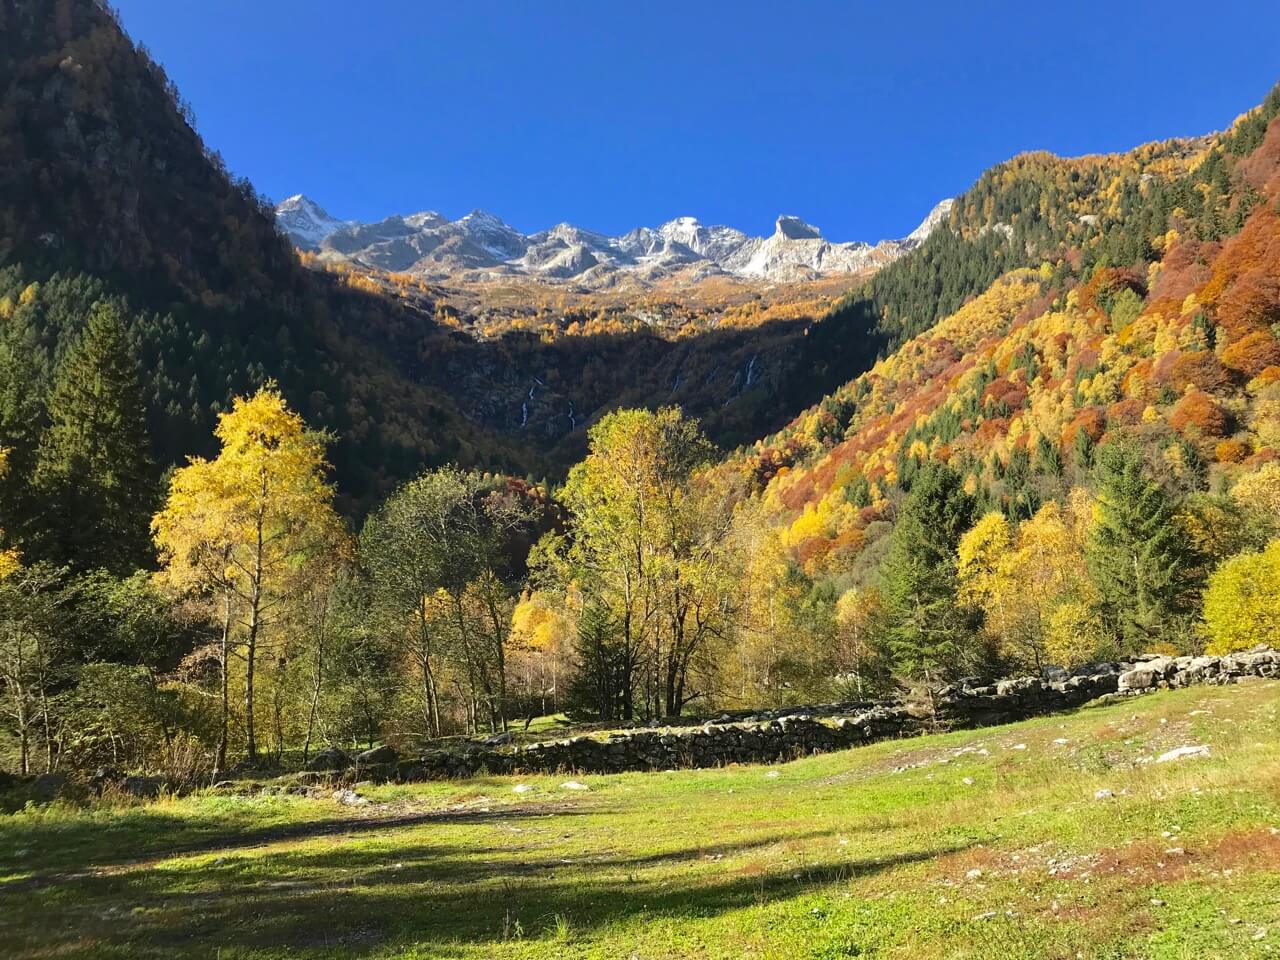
<point>48,787</point>
<point>377,755</point>
<point>1138,679</point>
<point>330,758</point>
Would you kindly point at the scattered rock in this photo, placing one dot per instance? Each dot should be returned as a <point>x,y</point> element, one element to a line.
<point>573,785</point>
<point>1103,794</point>
<point>1200,750</point>
<point>523,788</point>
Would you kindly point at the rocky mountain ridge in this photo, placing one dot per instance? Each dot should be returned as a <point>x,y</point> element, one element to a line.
<point>480,246</point>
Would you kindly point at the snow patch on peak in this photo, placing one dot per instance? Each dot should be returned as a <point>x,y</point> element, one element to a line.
<point>306,222</point>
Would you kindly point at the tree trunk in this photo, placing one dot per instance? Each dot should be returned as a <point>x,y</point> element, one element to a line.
<point>315,699</point>
<point>255,623</point>
<point>220,757</point>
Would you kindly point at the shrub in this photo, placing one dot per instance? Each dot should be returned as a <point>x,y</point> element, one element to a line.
<point>1242,601</point>
<point>1231,451</point>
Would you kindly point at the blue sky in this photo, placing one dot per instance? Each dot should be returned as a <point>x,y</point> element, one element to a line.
<point>856,116</point>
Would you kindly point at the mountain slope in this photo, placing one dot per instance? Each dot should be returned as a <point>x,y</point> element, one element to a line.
<point>1149,309</point>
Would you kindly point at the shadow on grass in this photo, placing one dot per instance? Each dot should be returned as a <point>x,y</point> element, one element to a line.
<point>443,897</point>
<point>53,847</point>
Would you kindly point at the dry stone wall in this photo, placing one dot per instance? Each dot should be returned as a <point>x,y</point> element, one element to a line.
<point>786,735</point>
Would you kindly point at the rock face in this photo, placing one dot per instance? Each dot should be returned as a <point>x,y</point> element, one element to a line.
<point>787,735</point>
<point>480,246</point>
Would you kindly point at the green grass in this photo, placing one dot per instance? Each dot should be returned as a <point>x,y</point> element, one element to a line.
<point>953,846</point>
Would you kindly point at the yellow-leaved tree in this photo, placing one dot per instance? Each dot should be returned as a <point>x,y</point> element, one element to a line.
<point>1242,601</point>
<point>242,528</point>
<point>1030,582</point>
<point>9,560</point>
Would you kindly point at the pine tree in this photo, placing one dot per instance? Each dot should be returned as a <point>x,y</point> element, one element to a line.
<point>93,468</point>
<point>927,631</point>
<point>21,421</point>
<point>1137,555</point>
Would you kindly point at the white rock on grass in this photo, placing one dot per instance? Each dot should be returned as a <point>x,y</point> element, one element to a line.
<point>1200,750</point>
<point>522,788</point>
<point>1103,794</point>
<point>573,785</point>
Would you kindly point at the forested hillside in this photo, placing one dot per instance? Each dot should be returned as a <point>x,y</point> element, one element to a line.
<point>109,194</point>
<point>1080,460</point>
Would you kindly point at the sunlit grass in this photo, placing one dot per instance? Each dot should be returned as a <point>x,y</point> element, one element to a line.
<point>977,844</point>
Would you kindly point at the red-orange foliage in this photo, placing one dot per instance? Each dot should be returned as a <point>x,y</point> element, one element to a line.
<point>1253,353</point>
<point>1185,269</point>
<point>1012,395</point>
<point>1142,370</point>
<point>989,430</point>
<point>1245,289</point>
<point>1106,284</point>
<point>1126,413</point>
<point>1262,167</point>
<point>1197,414</point>
<point>1091,420</point>
<point>812,551</point>
<point>1268,376</point>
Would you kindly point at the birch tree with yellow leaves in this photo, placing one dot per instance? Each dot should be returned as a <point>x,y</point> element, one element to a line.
<point>240,529</point>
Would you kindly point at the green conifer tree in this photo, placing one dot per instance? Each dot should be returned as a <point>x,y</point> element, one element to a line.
<point>1137,556</point>
<point>93,468</point>
<point>928,633</point>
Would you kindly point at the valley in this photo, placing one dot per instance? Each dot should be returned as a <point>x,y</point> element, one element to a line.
<point>418,586</point>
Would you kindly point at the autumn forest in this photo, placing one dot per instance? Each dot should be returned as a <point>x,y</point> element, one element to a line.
<point>253,506</point>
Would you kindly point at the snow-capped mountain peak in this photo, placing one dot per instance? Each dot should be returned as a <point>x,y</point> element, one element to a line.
<point>306,222</point>
<point>481,245</point>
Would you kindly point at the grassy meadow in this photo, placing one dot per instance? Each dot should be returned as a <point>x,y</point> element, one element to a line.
<point>1061,837</point>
